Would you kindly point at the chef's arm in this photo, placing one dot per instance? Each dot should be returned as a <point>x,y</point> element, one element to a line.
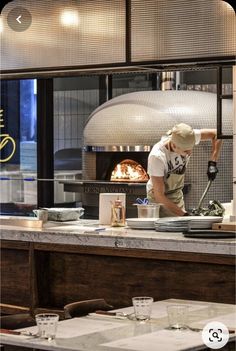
<point>160,197</point>
<point>211,134</point>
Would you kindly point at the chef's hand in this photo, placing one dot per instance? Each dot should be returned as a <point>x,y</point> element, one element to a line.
<point>212,170</point>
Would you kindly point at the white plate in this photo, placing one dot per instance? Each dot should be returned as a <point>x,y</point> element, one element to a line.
<point>212,219</point>
<point>185,223</point>
<point>191,221</point>
<point>141,223</point>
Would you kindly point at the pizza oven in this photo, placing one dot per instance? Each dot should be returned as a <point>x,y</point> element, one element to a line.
<point>119,135</point>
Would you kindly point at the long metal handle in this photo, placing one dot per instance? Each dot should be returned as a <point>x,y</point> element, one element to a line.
<point>204,195</point>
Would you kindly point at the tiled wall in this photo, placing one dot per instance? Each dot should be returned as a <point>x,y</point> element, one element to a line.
<point>71,109</point>
<point>222,188</point>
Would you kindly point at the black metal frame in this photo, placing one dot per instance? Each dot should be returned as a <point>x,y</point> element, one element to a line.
<point>45,160</point>
<point>220,97</point>
<point>128,31</point>
<point>105,88</point>
<point>111,68</point>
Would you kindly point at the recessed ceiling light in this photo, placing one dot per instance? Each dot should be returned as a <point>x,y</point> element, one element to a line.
<point>70,18</point>
<point>1,25</point>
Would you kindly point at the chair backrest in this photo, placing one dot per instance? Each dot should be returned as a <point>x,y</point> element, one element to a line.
<point>82,308</point>
<point>17,321</point>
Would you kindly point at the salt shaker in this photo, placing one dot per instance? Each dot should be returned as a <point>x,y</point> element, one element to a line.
<point>117,214</point>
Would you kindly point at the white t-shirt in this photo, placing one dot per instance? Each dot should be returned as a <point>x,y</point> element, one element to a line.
<point>162,162</point>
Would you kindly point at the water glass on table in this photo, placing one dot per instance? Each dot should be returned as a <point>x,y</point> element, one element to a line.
<point>142,307</point>
<point>47,325</point>
<point>177,316</point>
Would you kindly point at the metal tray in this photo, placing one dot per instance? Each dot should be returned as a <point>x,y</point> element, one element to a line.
<point>209,234</point>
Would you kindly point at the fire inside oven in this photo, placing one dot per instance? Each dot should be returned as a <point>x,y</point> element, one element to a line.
<point>122,166</point>
<point>129,171</point>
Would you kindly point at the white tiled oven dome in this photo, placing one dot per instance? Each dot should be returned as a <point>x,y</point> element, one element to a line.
<point>141,118</point>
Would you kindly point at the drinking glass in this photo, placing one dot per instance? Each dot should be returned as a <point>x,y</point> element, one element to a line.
<point>177,316</point>
<point>47,325</point>
<point>142,307</point>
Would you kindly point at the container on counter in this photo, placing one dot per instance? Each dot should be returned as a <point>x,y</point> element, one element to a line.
<point>105,201</point>
<point>117,214</point>
<point>148,210</point>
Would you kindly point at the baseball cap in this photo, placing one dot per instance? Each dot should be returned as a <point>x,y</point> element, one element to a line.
<point>182,135</point>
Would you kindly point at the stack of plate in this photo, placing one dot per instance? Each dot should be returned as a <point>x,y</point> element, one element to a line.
<point>203,222</point>
<point>141,223</point>
<point>180,224</point>
<point>172,224</point>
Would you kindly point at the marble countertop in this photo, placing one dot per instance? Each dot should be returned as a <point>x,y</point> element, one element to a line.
<point>90,233</point>
<point>102,333</point>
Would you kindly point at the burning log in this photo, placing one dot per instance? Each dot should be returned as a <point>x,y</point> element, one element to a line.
<point>129,170</point>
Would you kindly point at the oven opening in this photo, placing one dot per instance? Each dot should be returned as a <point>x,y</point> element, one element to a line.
<point>129,171</point>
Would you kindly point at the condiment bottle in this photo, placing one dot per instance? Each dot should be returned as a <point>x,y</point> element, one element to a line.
<point>117,214</point>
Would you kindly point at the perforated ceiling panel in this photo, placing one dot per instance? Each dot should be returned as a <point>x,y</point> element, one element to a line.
<point>65,33</point>
<point>175,29</point>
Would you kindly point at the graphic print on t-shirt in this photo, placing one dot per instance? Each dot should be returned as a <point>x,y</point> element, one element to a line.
<point>176,165</point>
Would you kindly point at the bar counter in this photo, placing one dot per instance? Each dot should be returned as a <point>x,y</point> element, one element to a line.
<point>61,263</point>
<point>86,233</point>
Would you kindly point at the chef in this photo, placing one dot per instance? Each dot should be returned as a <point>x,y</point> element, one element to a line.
<point>167,164</point>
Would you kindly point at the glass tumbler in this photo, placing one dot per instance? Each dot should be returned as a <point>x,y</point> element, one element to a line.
<point>142,307</point>
<point>177,316</point>
<point>47,325</point>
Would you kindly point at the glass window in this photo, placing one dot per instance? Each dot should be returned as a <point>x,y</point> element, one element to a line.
<point>18,147</point>
<point>75,98</point>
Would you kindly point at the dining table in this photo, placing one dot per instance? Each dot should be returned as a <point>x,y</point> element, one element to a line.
<point>122,332</point>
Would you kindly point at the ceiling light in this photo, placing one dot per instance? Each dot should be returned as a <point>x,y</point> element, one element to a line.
<point>1,25</point>
<point>70,18</point>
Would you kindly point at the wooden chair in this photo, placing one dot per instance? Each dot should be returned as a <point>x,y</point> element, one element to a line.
<point>17,321</point>
<point>82,308</point>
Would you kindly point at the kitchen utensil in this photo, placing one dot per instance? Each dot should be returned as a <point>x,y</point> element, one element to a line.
<point>22,332</point>
<point>115,315</point>
<point>148,210</point>
<point>231,331</point>
<point>142,202</point>
<point>198,209</point>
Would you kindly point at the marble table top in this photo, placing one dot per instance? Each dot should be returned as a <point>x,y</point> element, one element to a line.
<point>90,233</point>
<point>102,333</point>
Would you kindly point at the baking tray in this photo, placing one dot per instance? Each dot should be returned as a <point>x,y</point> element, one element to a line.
<point>197,233</point>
